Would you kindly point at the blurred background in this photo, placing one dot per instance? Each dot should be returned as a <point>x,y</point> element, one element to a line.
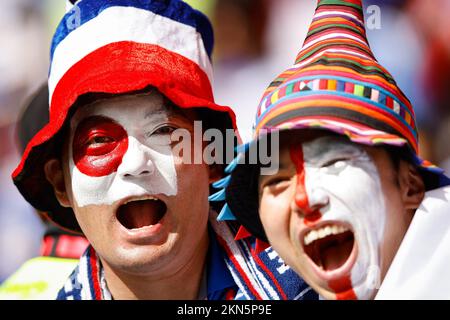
<point>255,41</point>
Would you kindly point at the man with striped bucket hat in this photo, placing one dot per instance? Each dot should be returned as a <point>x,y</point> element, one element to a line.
<point>125,75</point>
<point>349,183</point>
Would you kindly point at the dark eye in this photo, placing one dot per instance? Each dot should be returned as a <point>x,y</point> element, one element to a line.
<point>276,181</point>
<point>164,130</point>
<point>98,140</point>
<point>337,165</point>
<point>97,136</point>
<point>335,162</point>
<point>161,136</point>
<point>99,144</point>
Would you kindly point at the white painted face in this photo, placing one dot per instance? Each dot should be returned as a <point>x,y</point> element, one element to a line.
<point>121,151</point>
<point>334,209</point>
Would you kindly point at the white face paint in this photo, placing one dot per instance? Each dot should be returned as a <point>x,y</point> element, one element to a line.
<point>345,174</point>
<point>140,164</point>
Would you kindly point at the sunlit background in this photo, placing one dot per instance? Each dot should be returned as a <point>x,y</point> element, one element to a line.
<point>255,40</point>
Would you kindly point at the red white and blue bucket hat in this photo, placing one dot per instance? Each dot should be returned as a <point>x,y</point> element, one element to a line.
<point>116,47</point>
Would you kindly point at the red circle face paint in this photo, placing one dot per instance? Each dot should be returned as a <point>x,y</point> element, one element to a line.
<point>99,145</point>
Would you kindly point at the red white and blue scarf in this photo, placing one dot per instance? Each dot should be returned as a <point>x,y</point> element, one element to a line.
<point>256,276</point>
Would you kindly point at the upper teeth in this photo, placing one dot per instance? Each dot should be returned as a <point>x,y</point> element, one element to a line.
<point>323,232</point>
<point>141,199</point>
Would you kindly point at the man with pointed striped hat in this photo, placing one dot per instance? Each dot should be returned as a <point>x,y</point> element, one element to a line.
<point>350,183</point>
<point>124,76</point>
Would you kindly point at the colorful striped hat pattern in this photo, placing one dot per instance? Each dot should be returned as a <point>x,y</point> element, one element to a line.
<point>335,84</point>
<point>115,47</point>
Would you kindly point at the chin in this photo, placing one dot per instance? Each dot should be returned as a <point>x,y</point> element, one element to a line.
<point>363,292</point>
<point>141,259</point>
<point>337,262</point>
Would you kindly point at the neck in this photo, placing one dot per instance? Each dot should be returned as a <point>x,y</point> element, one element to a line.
<point>182,284</point>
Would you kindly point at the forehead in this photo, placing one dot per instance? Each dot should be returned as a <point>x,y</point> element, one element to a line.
<point>132,109</point>
<point>301,136</point>
<point>316,144</point>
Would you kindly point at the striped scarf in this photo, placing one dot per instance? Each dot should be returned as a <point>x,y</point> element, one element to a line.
<point>260,276</point>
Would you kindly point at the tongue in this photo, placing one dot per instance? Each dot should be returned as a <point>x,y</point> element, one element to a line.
<point>139,214</point>
<point>335,254</point>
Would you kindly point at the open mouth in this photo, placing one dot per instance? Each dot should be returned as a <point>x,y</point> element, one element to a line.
<point>330,246</point>
<point>136,214</point>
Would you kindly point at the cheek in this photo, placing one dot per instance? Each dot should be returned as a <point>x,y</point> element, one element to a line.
<point>275,215</point>
<point>193,186</point>
<point>190,206</point>
<point>280,226</point>
<point>91,221</point>
<point>396,225</point>
<point>369,209</point>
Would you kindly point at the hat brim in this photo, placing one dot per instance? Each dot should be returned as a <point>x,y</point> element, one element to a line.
<point>130,68</point>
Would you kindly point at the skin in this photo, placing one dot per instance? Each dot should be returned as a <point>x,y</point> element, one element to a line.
<point>152,264</point>
<point>111,145</point>
<point>354,186</point>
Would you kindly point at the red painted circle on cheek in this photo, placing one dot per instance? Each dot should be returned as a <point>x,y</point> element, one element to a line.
<point>99,145</point>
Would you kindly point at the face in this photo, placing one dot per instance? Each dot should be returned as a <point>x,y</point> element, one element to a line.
<point>334,213</point>
<point>132,197</point>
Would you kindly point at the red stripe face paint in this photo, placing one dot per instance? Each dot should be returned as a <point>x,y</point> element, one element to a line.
<point>343,288</point>
<point>99,145</point>
<point>301,195</point>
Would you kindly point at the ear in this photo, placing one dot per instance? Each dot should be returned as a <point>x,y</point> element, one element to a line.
<point>215,173</point>
<point>411,184</point>
<point>54,174</point>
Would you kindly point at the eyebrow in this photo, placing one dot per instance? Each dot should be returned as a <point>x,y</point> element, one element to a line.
<point>167,109</point>
<point>163,110</point>
<point>332,151</point>
<point>283,166</point>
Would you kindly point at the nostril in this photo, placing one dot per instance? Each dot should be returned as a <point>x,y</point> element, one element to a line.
<point>317,207</point>
<point>142,173</point>
<point>318,199</point>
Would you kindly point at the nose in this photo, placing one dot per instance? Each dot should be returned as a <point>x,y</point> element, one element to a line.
<point>308,201</point>
<point>318,199</point>
<point>137,161</point>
